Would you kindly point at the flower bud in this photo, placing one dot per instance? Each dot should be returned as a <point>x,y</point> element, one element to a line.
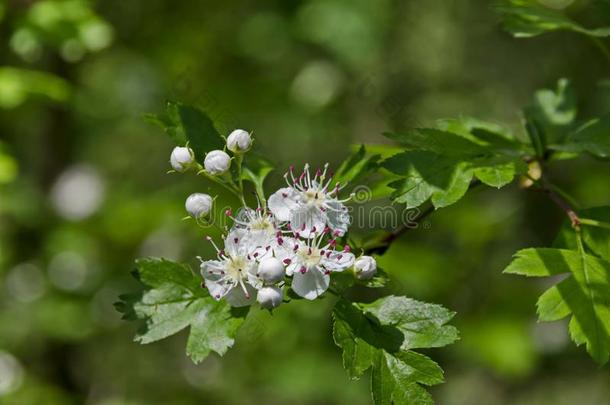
<point>198,205</point>
<point>269,297</point>
<point>239,141</point>
<point>217,162</point>
<point>365,267</point>
<point>181,158</point>
<point>271,270</point>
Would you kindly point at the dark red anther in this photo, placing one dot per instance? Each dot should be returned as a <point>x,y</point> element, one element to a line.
<point>303,270</point>
<point>287,261</point>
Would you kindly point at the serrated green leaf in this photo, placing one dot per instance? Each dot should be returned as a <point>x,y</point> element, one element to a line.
<point>397,375</point>
<point>585,293</point>
<point>443,165</point>
<point>423,325</point>
<point>593,138</point>
<point>174,300</point>
<point>428,175</point>
<point>524,18</point>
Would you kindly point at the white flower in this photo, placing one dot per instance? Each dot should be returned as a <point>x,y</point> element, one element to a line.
<point>309,204</point>
<point>233,275</point>
<point>271,270</point>
<point>239,141</point>
<point>217,162</point>
<point>260,225</point>
<point>269,297</point>
<point>181,158</point>
<point>365,267</point>
<point>198,205</point>
<point>310,264</point>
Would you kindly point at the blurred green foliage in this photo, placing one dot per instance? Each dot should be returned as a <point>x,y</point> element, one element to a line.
<point>83,189</point>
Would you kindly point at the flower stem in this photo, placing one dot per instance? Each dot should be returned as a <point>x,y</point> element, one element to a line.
<point>240,181</point>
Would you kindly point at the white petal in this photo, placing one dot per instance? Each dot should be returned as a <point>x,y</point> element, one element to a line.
<point>337,216</point>
<point>307,218</point>
<point>285,250</point>
<point>338,261</point>
<point>310,285</point>
<point>211,273</point>
<point>293,267</point>
<point>236,243</point>
<point>283,202</point>
<point>237,298</point>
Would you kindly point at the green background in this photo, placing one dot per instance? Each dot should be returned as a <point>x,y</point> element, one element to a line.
<point>84,189</point>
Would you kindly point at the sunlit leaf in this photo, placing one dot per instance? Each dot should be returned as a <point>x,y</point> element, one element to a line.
<point>584,293</point>
<point>174,300</point>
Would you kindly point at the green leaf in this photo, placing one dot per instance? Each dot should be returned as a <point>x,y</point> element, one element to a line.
<point>428,175</point>
<point>440,142</point>
<point>442,166</point>
<point>593,138</point>
<point>255,169</point>
<point>397,374</point>
<point>500,171</point>
<point>550,118</point>
<point>356,166</point>
<point>189,124</point>
<point>423,325</point>
<point>174,300</point>
<point>17,85</point>
<point>584,293</point>
<point>524,18</point>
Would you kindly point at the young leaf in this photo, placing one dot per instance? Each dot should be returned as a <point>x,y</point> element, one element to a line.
<point>356,166</point>
<point>173,300</point>
<point>255,170</point>
<point>184,123</point>
<point>593,138</point>
<point>585,294</point>
<point>551,116</point>
<point>523,18</point>
<point>376,336</point>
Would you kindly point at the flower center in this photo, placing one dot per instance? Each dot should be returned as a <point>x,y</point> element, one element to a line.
<point>314,197</point>
<point>310,256</point>
<point>236,267</point>
<point>262,224</point>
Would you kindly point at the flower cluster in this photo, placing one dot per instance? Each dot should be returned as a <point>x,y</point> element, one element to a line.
<point>293,240</point>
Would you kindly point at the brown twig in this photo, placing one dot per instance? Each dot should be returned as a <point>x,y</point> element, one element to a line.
<point>385,243</point>
<point>561,203</point>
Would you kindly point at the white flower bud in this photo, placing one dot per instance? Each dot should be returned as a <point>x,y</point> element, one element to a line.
<point>239,141</point>
<point>365,267</point>
<point>269,297</point>
<point>271,270</point>
<point>198,205</point>
<point>181,158</point>
<point>217,162</point>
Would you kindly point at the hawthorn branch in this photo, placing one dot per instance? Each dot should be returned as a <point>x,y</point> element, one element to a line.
<point>561,202</point>
<point>384,244</point>
<point>387,241</point>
